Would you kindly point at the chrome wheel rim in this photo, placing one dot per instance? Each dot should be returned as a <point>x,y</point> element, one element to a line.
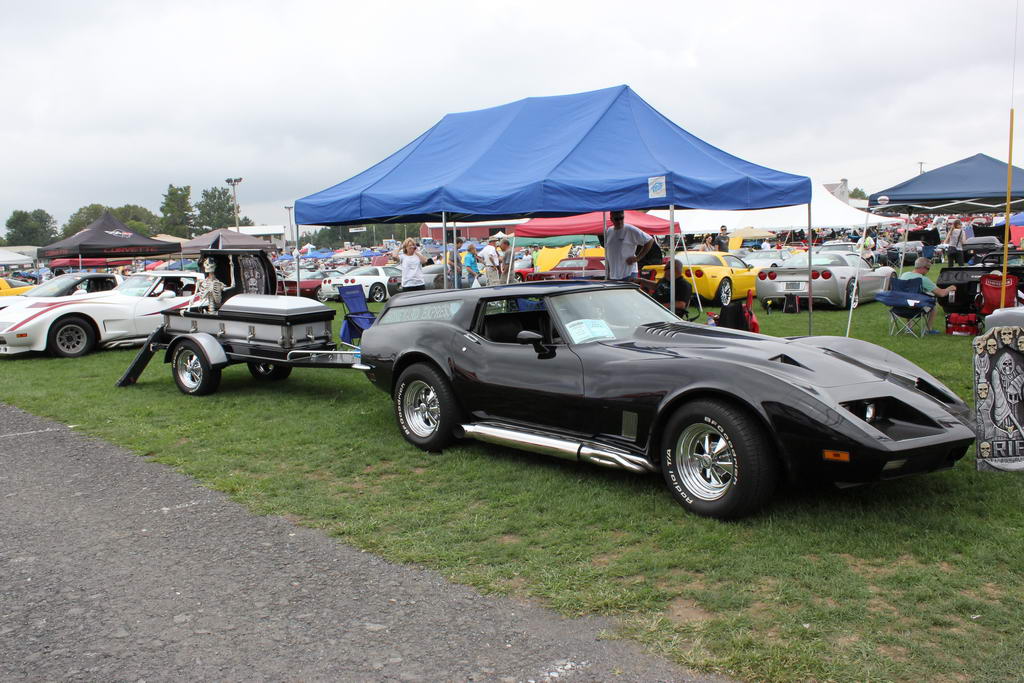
<point>321,295</point>
<point>706,462</point>
<point>726,297</point>
<point>71,338</point>
<point>421,408</point>
<point>189,369</point>
<point>377,294</point>
<point>264,368</point>
<point>854,297</point>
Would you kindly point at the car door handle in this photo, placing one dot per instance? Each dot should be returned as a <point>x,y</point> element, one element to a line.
<point>471,337</point>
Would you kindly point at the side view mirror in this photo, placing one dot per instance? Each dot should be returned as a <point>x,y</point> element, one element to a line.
<point>78,292</point>
<point>166,295</point>
<point>531,337</point>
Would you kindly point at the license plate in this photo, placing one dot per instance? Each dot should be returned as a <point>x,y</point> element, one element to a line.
<point>794,285</point>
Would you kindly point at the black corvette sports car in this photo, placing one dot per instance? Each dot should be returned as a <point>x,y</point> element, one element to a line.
<point>599,372</point>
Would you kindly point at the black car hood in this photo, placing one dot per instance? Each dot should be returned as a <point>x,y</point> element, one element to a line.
<point>809,361</point>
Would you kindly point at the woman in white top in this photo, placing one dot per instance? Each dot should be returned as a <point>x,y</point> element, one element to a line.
<point>411,261</point>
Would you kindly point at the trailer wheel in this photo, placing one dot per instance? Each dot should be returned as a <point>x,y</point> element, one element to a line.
<point>192,371</point>
<point>269,372</point>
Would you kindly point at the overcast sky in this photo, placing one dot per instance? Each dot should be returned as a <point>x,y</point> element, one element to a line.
<point>110,101</point>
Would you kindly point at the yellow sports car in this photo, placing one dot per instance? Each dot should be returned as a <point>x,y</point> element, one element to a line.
<point>11,287</point>
<point>715,275</point>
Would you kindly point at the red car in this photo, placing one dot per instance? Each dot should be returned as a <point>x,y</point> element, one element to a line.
<point>579,268</point>
<point>309,284</point>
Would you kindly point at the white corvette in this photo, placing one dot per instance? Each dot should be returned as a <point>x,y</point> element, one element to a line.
<point>74,326</point>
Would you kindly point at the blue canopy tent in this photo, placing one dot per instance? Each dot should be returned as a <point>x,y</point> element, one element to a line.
<point>1015,219</point>
<point>977,183</point>
<point>551,156</point>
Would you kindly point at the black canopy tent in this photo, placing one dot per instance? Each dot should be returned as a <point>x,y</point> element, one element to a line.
<point>107,237</point>
<point>224,238</point>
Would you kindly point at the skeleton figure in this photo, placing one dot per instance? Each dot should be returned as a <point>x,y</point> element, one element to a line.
<point>210,291</point>
<point>991,345</point>
<point>985,450</point>
<point>1006,335</point>
<point>1020,343</point>
<point>979,345</point>
<point>1007,385</point>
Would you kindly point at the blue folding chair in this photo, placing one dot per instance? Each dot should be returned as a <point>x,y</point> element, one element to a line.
<point>908,306</point>
<point>358,317</point>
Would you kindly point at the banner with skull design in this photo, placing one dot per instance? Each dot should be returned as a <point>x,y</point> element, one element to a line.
<point>999,399</point>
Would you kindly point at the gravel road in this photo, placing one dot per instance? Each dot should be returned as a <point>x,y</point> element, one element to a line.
<point>115,568</point>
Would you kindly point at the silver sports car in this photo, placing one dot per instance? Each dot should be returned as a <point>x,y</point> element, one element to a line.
<point>832,276</point>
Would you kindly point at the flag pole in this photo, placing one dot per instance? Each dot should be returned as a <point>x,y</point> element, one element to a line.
<point>1006,225</point>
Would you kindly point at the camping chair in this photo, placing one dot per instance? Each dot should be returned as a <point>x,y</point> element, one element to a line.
<point>989,292</point>
<point>358,317</point>
<point>908,307</point>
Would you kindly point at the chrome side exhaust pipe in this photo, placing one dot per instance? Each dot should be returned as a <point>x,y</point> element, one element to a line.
<point>555,446</point>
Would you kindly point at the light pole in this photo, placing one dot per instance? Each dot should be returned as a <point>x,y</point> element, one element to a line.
<point>233,182</point>
<point>295,253</point>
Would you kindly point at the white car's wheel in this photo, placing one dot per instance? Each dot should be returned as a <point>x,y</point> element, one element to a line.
<point>378,293</point>
<point>71,337</point>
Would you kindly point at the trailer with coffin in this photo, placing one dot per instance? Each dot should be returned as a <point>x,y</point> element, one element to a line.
<point>270,333</point>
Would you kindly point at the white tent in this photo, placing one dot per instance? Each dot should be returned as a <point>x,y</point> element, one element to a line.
<point>10,258</point>
<point>827,211</point>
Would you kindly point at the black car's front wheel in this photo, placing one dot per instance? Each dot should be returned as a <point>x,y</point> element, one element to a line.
<point>717,460</point>
<point>425,407</point>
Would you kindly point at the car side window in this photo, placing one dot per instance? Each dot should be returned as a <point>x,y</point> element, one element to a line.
<point>501,320</point>
<point>734,262</point>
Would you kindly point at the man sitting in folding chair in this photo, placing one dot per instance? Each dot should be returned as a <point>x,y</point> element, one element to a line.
<point>911,301</point>
<point>358,317</point>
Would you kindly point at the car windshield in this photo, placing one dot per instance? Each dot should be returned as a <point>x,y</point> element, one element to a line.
<point>136,285</point>
<point>58,286</point>
<point>606,314</point>
<point>819,260</point>
<point>843,246</point>
<point>572,264</point>
<point>697,259</point>
<point>365,270</point>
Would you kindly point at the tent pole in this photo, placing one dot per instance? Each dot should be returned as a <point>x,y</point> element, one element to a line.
<point>856,273</point>
<point>693,278</point>
<point>1006,228</point>
<point>903,251</point>
<point>444,250</point>
<point>672,258</point>
<point>810,285</point>
<point>511,260</point>
<point>604,238</point>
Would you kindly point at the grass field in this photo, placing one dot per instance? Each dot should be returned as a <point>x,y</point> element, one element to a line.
<point>911,580</point>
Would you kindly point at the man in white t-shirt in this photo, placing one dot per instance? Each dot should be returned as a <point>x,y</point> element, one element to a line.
<point>620,248</point>
<point>491,263</point>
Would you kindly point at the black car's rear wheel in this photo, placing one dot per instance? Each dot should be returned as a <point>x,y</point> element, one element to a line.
<point>269,372</point>
<point>425,407</point>
<point>717,460</point>
<point>724,294</point>
<point>192,371</point>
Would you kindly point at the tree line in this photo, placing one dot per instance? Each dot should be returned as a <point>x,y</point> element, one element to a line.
<point>178,217</point>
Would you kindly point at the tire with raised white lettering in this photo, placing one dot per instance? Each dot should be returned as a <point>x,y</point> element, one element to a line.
<point>717,460</point>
